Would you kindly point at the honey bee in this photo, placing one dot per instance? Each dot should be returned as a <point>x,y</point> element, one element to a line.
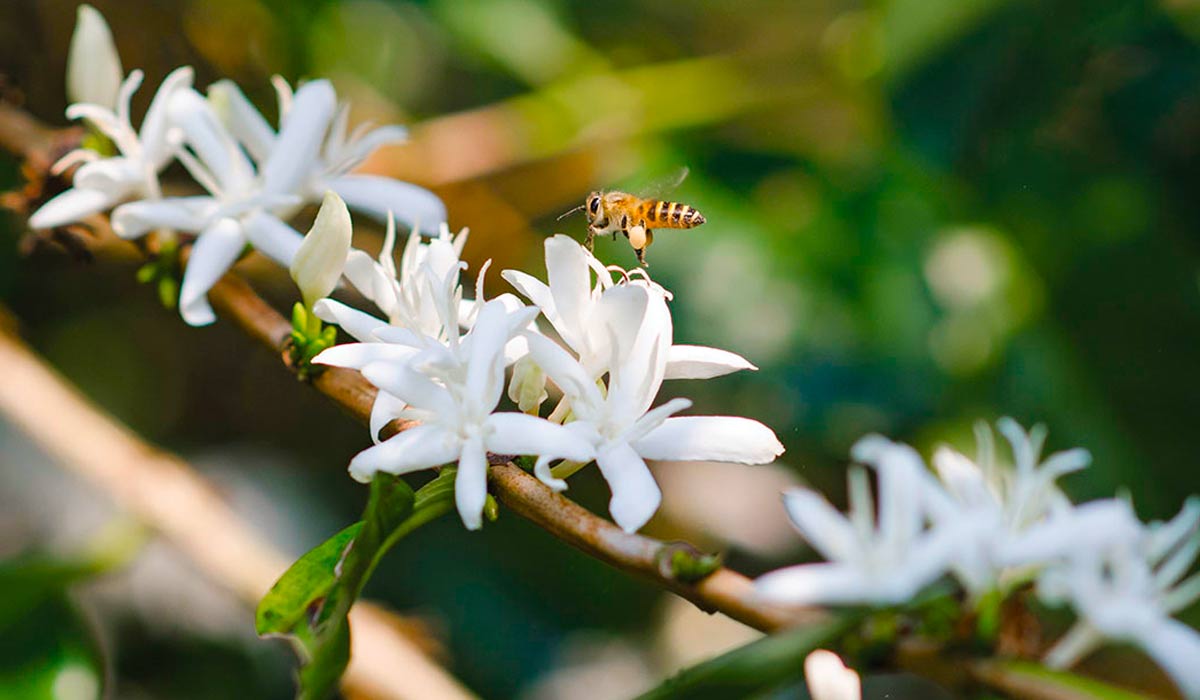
<point>621,212</point>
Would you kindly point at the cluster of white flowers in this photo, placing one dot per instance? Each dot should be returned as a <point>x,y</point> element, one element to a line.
<point>435,356</point>
<point>440,359</point>
<point>256,177</point>
<point>994,527</point>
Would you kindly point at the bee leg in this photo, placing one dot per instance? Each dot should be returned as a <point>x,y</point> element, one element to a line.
<point>590,244</point>
<point>641,252</point>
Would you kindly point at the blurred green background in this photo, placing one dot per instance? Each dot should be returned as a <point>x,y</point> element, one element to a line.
<point>920,213</point>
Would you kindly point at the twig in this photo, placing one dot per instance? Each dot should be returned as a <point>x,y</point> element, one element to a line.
<point>168,495</point>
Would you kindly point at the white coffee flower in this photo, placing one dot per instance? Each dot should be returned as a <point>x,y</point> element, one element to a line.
<point>93,66</point>
<point>422,303</point>
<point>242,205</point>
<point>1124,581</point>
<point>101,183</point>
<point>340,152</point>
<point>459,426</point>
<point>868,560</point>
<point>620,423</point>
<point>410,298</point>
<point>571,303</point>
<point>993,504</point>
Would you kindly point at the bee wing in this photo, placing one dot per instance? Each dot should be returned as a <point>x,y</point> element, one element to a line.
<point>664,186</point>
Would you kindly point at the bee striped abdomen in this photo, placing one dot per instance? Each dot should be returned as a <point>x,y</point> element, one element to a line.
<point>663,214</point>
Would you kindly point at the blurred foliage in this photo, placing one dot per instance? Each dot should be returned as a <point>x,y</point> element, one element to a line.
<point>920,213</point>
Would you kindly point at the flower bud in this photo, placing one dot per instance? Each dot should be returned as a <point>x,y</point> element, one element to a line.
<point>93,67</point>
<point>322,255</point>
<point>528,385</point>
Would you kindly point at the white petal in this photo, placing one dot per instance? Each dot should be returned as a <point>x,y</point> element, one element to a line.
<point>376,196</point>
<point>901,480</point>
<point>412,387</point>
<point>962,478</point>
<point>399,336</point>
<point>156,148</point>
<point>829,679</point>
<point>69,207</point>
<point>371,280</point>
<point>1085,527</point>
<point>243,120</point>
<point>212,255</point>
<point>273,238</point>
<point>620,316</point>
<point>931,556</point>
<point>1166,536</point>
<point>521,434</point>
<point>635,495</point>
<point>699,362</point>
<point>654,418</point>
<point>569,276</point>
<point>357,323</point>
<point>317,265</point>
<point>470,484</point>
<point>532,289</point>
<point>566,372</point>
<point>419,447</point>
<point>300,136</point>
<point>118,177</point>
<point>1176,648</point>
<point>1065,462</point>
<point>385,409</point>
<point>375,138</point>
<point>208,138</point>
<point>359,355</point>
<point>711,438</point>
<point>189,214</point>
<point>541,469</point>
<point>105,121</point>
<point>822,526</point>
<point>815,584</point>
<point>485,367</point>
<point>654,342</point>
<point>93,66</point>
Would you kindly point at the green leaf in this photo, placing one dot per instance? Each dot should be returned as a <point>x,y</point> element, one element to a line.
<point>310,602</point>
<point>1017,677</point>
<point>305,585</point>
<point>756,667</point>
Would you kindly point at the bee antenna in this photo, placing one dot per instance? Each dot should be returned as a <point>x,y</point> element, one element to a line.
<point>570,212</point>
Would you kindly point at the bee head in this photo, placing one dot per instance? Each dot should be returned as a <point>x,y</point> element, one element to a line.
<point>593,206</point>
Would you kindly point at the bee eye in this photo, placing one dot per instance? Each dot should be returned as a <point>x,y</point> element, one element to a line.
<point>594,205</point>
